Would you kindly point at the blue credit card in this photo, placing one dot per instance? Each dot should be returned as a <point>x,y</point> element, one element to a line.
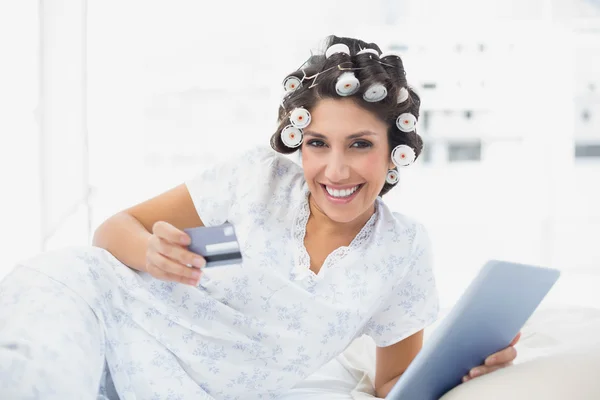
<point>217,244</point>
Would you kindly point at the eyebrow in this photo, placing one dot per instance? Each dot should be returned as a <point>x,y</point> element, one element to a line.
<point>353,136</point>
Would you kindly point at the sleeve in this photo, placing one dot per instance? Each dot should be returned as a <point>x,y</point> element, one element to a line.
<point>217,190</point>
<point>413,302</point>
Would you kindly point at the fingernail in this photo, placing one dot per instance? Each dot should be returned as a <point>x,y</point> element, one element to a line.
<point>184,240</point>
<point>193,282</point>
<point>475,372</point>
<point>491,360</point>
<point>198,262</point>
<point>196,275</point>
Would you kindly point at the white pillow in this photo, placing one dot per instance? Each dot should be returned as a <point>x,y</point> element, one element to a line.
<point>565,375</point>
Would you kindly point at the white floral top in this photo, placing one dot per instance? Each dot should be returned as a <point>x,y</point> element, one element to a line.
<point>272,319</point>
<point>249,331</point>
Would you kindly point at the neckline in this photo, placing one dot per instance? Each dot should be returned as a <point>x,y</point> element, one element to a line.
<point>302,259</point>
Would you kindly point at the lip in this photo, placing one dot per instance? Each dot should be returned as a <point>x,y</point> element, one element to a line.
<point>345,200</point>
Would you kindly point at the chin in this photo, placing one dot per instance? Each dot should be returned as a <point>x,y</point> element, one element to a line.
<point>342,217</point>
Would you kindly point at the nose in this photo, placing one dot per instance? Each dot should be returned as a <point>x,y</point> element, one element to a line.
<point>337,169</point>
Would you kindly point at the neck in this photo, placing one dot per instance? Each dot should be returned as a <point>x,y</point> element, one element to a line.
<point>321,223</point>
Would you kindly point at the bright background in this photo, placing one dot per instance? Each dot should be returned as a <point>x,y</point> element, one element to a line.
<point>104,104</point>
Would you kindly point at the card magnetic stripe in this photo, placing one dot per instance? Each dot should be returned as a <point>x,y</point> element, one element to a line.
<point>223,257</point>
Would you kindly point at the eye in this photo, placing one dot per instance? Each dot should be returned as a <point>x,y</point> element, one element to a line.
<point>361,144</point>
<point>316,143</point>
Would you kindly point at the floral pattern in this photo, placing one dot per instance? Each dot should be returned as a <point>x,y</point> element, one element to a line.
<point>77,322</point>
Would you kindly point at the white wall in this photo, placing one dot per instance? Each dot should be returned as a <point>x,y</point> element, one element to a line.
<point>19,169</point>
<point>63,141</point>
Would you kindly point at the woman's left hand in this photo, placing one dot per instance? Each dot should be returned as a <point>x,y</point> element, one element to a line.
<point>498,360</point>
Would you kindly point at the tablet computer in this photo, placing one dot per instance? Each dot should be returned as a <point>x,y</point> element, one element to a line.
<point>485,320</point>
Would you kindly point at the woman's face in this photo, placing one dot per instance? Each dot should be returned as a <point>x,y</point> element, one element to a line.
<point>345,157</point>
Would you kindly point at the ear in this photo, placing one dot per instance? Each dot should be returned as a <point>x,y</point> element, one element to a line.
<point>391,164</point>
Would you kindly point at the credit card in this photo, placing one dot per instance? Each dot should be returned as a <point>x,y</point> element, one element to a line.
<point>217,244</point>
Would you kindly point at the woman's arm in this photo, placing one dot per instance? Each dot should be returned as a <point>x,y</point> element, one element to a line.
<point>125,235</point>
<point>393,360</point>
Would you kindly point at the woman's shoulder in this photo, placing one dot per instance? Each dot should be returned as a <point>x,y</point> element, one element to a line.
<point>399,227</point>
<point>269,176</point>
<point>264,158</point>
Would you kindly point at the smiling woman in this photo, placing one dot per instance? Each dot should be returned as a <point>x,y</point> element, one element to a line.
<point>324,261</point>
<point>346,165</point>
<point>351,73</point>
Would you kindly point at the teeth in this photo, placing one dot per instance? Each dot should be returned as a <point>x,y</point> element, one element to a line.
<point>341,193</point>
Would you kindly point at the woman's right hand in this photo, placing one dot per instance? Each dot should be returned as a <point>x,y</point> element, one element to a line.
<point>167,256</point>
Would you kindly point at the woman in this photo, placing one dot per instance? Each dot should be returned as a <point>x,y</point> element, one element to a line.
<point>324,261</point>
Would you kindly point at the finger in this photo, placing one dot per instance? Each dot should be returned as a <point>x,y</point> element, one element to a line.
<point>168,232</point>
<point>172,267</point>
<point>475,372</point>
<point>167,265</point>
<point>502,357</point>
<point>516,339</point>
<point>158,273</point>
<point>483,370</point>
<point>179,254</point>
